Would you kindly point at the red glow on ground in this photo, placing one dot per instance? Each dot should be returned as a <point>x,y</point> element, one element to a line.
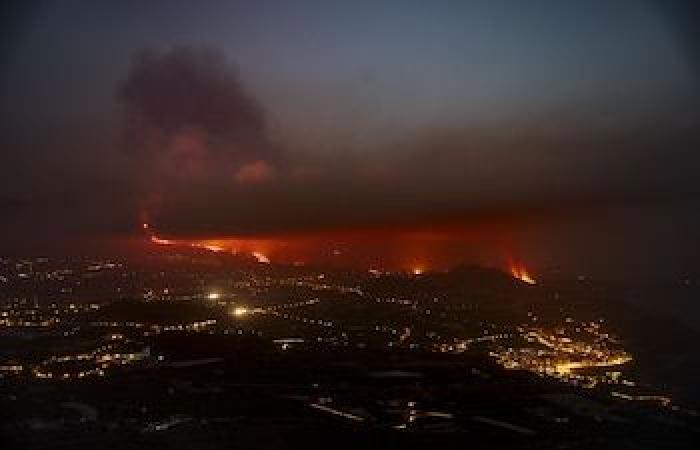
<point>412,251</point>
<point>254,248</point>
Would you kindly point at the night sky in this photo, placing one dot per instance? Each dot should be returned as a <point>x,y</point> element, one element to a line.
<point>561,133</point>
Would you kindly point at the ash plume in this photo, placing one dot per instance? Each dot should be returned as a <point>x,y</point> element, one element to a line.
<point>188,119</point>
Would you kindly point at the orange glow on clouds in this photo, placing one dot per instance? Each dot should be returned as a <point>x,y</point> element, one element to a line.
<point>255,172</point>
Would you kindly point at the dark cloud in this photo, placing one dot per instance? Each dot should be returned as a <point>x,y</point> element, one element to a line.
<point>683,16</point>
<point>188,119</point>
<point>533,170</point>
<point>188,89</point>
<point>9,205</point>
<point>15,20</point>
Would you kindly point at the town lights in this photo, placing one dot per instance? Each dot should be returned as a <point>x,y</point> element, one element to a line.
<point>240,311</point>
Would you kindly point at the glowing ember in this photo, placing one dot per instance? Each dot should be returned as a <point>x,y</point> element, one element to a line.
<point>520,272</point>
<point>261,258</point>
<point>213,296</point>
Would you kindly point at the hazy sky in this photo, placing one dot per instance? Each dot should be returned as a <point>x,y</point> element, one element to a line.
<point>563,126</point>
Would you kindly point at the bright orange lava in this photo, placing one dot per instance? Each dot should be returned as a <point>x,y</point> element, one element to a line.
<point>159,241</point>
<point>215,246</point>
<point>261,258</point>
<point>520,272</point>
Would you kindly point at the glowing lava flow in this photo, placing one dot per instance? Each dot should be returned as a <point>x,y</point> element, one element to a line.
<point>211,248</point>
<point>156,240</point>
<point>520,272</point>
<point>260,257</point>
